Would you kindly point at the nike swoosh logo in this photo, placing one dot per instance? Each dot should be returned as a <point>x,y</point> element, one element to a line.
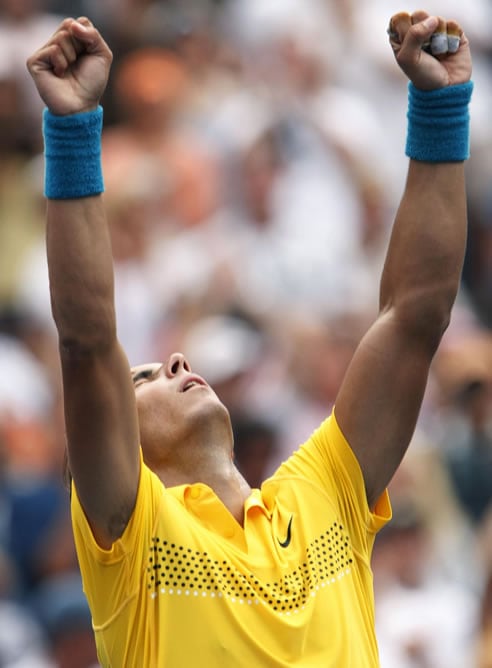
<point>286,542</point>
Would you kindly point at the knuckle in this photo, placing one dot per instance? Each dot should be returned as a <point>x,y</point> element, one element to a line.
<point>61,36</point>
<point>65,24</point>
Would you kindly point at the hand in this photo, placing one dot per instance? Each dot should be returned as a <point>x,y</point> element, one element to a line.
<point>71,71</point>
<point>415,40</point>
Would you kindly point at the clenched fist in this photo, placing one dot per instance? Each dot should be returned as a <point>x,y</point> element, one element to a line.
<point>71,71</point>
<point>432,51</point>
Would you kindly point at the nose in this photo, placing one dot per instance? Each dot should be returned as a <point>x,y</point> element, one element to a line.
<point>175,364</point>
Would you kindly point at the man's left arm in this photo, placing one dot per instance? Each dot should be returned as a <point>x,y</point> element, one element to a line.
<point>380,398</point>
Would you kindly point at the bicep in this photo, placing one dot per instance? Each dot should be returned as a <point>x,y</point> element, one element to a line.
<point>102,437</point>
<point>380,398</point>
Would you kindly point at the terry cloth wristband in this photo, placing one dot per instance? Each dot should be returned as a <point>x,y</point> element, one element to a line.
<point>439,123</point>
<point>72,149</point>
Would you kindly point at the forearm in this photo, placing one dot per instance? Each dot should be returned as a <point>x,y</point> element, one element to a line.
<point>425,257</point>
<point>81,272</point>
<point>78,244</point>
<point>423,266</point>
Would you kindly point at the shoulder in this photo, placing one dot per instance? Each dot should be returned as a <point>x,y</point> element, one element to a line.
<point>149,493</point>
<point>325,452</point>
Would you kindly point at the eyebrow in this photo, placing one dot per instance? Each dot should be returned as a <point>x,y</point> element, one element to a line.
<point>142,373</point>
<point>145,371</point>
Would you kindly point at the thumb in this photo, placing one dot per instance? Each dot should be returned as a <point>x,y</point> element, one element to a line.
<point>420,33</point>
<point>87,35</point>
<point>417,37</point>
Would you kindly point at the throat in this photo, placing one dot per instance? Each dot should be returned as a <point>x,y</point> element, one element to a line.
<point>228,485</point>
<point>234,499</point>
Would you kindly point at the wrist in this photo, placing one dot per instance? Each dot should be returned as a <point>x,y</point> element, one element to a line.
<point>73,154</point>
<point>439,123</point>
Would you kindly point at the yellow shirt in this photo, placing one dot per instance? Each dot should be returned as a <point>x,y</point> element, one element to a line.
<point>186,585</point>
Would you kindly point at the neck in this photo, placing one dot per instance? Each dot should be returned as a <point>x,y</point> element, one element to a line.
<point>232,489</point>
<point>221,475</point>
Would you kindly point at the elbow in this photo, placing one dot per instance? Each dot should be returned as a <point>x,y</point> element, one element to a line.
<point>77,348</point>
<point>87,334</point>
<point>433,332</point>
<point>425,316</point>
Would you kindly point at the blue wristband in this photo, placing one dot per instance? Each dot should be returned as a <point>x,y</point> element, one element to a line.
<point>72,149</point>
<point>439,123</point>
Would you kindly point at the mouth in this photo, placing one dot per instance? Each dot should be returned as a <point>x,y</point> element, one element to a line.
<point>190,382</point>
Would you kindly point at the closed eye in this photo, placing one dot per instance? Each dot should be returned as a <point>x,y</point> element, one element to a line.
<point>144,374</point>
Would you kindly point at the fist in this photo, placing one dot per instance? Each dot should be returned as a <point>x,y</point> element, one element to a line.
<point>71,70</point>
<point>432,51</point>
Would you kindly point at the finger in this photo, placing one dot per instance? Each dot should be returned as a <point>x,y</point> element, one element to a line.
<point>64,25</point>
<point>439,39</point>
<point>68,48</point>
<point>57,60</point>
<point>417,17</point>
<point>85,21</point>
<point>398,28</point>
<point>57,55</point>
<point>455,34</point>
<point>41,60</point>
<point>83,30</point>
<point>59,52</point>
<point>416,37</point>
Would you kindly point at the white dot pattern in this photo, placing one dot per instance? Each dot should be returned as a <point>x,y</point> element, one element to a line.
<point>176,570</point>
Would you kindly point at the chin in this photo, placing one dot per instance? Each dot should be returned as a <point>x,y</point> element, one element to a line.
<point>213,413</point>
<point>209,419</point>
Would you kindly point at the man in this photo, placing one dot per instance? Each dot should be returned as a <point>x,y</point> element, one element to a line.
<point>182,562</point>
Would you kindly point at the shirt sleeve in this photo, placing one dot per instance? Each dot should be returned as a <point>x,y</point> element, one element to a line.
<point>327,459</point>
<point>109,576</point>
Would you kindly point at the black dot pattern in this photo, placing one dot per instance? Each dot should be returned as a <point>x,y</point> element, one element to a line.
<point>177,570</point>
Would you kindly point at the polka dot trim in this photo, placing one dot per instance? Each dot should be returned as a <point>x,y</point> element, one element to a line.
<point>175,570</point>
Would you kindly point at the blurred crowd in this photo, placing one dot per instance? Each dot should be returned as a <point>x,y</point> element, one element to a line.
<point>254,160</point>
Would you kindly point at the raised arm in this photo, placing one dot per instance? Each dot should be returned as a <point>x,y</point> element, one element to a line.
<point>379,401</point>
<point>71,73</point>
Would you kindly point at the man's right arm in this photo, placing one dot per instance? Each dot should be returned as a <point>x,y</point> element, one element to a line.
<point>71,72</point>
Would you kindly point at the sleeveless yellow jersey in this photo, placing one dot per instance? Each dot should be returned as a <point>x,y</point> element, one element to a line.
<point>186,585</point>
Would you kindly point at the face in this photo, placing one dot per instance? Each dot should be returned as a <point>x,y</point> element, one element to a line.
<point>178,412</point>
